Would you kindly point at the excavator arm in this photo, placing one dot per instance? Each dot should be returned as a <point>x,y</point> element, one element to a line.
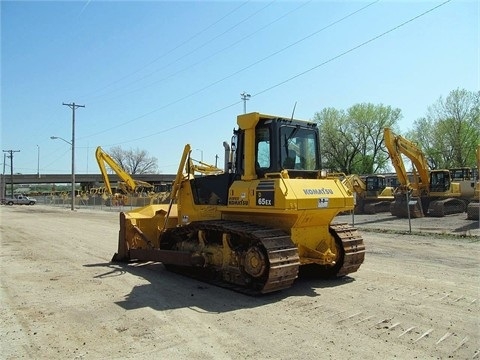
<point>395,155</point>
<point>102,158</point>
<point>398,145</point>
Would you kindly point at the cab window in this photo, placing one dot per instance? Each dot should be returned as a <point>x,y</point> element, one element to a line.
<point>298,148</point>
<point>263,148</point>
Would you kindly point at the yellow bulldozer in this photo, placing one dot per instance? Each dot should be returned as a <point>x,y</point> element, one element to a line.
<point>372,194</point>
<point>253,226</point>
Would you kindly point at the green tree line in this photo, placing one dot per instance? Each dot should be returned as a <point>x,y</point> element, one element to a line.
<point>352,139</point>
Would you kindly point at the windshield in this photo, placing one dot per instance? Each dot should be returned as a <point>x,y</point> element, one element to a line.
<point>298,148</point>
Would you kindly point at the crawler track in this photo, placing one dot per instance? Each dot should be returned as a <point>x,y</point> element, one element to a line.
<point>275,257</point>
<point>272,246</point>
<point>353,248</point>
<point>442,207</point>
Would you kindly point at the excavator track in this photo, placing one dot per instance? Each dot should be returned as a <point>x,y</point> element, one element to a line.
<point>377,207</point>
<point>265,259</point>
<point>442,207</point>
<point>473,210</point>
<point>353,248</point>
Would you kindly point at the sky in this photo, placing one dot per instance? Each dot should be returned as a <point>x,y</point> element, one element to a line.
<point>156,75</point>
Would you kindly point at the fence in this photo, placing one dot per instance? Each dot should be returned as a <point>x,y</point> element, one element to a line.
<point>102,201</point>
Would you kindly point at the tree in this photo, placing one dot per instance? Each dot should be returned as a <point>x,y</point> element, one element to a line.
<point>450,132</point>
<point>352,140</point>
<point>134,161</point>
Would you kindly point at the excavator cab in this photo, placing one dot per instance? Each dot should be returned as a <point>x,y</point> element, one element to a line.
<point>462,173</point>
<point>439,181</point>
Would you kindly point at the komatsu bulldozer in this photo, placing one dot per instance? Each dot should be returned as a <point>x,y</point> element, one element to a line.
<point>253,226</point>
<point>372,194</point>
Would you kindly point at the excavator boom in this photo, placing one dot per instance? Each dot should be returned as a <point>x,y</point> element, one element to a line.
<point>432,189</point>
<point>397,145</point>
<point>130,184</point>
<point>390,141</point>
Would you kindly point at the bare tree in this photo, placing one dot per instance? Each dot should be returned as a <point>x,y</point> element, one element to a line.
<point>134,161</point>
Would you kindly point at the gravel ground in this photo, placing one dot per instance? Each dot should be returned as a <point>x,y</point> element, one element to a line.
<point>415,297</point>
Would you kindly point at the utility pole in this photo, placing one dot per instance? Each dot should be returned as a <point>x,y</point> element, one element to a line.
<point>245,97</point>
<point>73,106</point>
<point>3,189</point>
<point>38,161</point>
<point>11,168</point>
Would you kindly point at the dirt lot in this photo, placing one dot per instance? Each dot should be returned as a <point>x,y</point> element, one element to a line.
<point>415,297</point>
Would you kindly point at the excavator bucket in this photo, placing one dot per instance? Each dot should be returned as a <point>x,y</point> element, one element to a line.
<point>400,207</point>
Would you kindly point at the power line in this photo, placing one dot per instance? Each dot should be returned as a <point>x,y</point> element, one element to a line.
<point>168,52</point>
<point>234,73</point>
<point>351,49</point>
<point>297,75</point>
<point>212,55</point>
<point>180,125</point>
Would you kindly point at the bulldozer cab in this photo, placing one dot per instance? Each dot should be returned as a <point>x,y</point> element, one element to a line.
<point>263,146</point>
<point>278,144</point>
<point>375,184</point>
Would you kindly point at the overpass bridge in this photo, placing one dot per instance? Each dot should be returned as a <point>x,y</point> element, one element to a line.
<point>86,181</point>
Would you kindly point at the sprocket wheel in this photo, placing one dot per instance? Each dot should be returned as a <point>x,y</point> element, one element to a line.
<point>255,262</point>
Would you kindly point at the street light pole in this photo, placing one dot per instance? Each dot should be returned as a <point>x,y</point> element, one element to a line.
<point>73,172</point>
<point>245,97</point>
<point>73,106</point>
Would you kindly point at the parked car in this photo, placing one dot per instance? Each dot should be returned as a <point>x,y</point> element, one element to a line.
<point>19,199</point>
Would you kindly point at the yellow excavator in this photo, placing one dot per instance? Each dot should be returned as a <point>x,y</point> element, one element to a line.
<point>253,226</point>
<point>372,195</point>
<point>432,192</point>
<point>127,185</point>
<point>473,207</point>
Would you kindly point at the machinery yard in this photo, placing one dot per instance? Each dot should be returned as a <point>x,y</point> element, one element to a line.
<point>415,296</point>
<point>347,228</point>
